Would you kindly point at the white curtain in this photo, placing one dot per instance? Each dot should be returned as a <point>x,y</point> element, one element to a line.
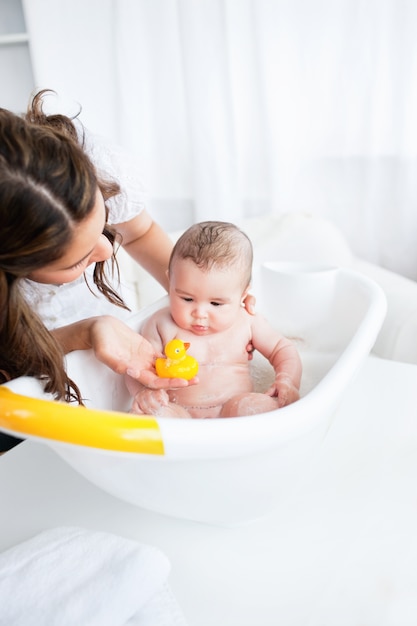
<point>239,108</point>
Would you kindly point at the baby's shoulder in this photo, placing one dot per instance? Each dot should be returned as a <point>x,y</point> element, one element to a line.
<point>158,320</point>
<point>161,315</point>
<point>259,324</point>
<point>252,320</point>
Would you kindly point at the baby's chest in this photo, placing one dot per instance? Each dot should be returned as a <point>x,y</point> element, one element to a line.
<point>221,348</point>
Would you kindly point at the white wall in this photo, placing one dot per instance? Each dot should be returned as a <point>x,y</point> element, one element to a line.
<point>16,77</point>
<point>241,108</point>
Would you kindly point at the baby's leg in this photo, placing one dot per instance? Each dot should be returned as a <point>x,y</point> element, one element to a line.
<point>248,404</point>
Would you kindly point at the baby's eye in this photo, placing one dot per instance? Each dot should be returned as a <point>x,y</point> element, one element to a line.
<point>187,299</point>
<point>216,303</point>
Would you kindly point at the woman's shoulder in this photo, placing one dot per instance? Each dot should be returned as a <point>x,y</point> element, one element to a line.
<point>114,162</point>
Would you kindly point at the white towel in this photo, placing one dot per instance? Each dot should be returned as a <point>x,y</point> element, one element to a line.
<point>75,577</point>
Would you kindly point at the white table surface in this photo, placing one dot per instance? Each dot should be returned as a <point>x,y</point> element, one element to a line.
<point>343,553</point>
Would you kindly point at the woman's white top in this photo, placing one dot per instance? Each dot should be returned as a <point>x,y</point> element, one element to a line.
<point>61,305</point>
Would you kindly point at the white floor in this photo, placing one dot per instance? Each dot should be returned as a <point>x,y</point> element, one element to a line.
<point>344,553</point>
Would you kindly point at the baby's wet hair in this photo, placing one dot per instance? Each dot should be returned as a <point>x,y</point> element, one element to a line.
<point>215,244</point>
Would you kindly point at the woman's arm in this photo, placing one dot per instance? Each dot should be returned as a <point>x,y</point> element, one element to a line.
<point>146,242</point>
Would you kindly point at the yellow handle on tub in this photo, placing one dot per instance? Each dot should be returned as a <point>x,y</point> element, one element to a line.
<point>108,430</point>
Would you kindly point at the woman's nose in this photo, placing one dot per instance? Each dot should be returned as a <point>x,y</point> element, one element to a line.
<point>102,251</point>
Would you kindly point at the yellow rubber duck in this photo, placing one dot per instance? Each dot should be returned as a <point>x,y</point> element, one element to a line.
<point>178,363</point>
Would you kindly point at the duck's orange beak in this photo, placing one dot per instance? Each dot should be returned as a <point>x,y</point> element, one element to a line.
<point>186,345</point>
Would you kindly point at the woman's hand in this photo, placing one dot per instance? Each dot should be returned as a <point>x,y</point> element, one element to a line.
<point>249,303</point>
<point>119,347</point>
<point>127,352</point>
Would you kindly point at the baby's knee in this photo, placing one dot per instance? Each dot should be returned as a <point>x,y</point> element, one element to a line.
<point>248,404</point>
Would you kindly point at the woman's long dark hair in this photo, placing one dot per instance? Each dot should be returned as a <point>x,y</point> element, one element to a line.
<point>48,186</point>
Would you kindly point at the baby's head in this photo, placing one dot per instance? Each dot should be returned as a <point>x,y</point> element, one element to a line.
<point>210,273</point>
<point>216,245</point>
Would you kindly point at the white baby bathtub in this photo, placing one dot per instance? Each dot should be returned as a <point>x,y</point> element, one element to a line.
<point>223,471</point>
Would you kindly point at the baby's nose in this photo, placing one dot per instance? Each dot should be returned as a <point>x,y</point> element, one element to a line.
<point>200,312</point>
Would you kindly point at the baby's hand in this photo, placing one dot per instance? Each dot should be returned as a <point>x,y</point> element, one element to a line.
<point>283,389</point>
<point>149,401</point>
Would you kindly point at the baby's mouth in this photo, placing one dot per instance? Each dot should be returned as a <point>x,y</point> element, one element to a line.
<point>199,328</point>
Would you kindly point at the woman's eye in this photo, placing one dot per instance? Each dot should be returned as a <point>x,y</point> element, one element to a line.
<point>77,265</point>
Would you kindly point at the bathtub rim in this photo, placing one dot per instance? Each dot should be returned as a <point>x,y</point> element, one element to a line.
<point>245,435</point>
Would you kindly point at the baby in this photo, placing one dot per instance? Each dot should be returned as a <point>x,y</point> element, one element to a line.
<point>209,277</point>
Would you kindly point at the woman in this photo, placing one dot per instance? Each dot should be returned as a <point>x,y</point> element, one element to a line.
<point>55,209</point>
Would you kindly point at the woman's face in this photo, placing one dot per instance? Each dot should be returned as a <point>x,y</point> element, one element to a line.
<point>88,246</point>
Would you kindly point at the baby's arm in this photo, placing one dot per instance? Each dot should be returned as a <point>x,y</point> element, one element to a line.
<point>284,358</point>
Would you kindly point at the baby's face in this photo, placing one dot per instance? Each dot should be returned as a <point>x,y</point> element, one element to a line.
<point>204,301</point>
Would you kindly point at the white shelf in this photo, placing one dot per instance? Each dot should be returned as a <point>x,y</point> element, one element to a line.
<point>13,38</point>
